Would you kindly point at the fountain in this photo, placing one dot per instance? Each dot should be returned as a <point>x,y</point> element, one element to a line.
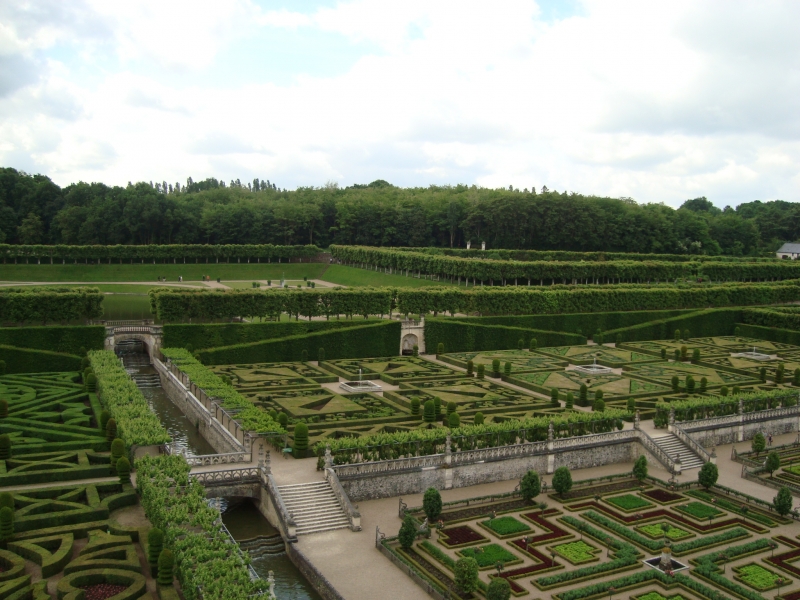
<point>665,562</point>
<point>594,369</point>
<point>753,355</point>
<point>360,386</point>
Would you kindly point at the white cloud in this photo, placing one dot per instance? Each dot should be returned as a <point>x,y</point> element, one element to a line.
<point>657,101</point>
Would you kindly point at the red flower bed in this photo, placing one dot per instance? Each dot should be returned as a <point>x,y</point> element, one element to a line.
<point>102,591</point>
<point>461,536</point>
<point>662,496</point>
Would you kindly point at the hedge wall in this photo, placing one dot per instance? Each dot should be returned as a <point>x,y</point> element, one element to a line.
<point>773,334</point>
<point>25,360</point>
<point>42,305</point>
<point>710,322</point>
<point>230,334</point>
<point>374,339</point>
<point>768,317</point>
<point>465,336</point>
<point>153,253</point>
<point>55,338</point>
<point>541,300</point>
<point>587,323</point>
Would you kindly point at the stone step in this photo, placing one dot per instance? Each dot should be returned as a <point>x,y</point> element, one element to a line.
<point>314,507</point>
<point>674,447</point>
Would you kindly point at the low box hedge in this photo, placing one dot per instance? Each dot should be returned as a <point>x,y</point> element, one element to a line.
<point>26,360</point>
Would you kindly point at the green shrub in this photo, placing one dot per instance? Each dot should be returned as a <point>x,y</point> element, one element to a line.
<point>677,335</point>
<point>663,354</point>
<point>686,334</point>
<point>117,452</point>
<point>534,344</point>
<point>723,391</point>
<point>454,420</point>
<point>520,344</point>
<point>689,384</point>
<point>283,420</point>
<point>429,412</point>
<point>124,470</point>
<point>432,504</point>
<point>466,575</point>
<point>304,355</point>
<point>530,486</point>
<point>783,501</point>
<point>496,367</point>
<point>708,474</point>
<point>554,397</point>
<point>478,418</point>
<point>437,406</point>
<point>758,443</point>
<point>104,417</point>
<point>3,408</point>
<point>451,408</point>
<point>631,405</point>
<point>470,368</point>
<point>415,406</point>
<point>507,369</point>
<point>773,462</point>
<point>5,446</point>
<point>6,524</point>
<point>570,400</point>
<point>481,371</point>
<point>155,544</point>
<point>640,468</point>
<point>6,499</point>
<point>583,395</point>
<point>762,374</point>
<point>675,383</point>
<point>300,440</point>
<point>440,348</point>
<point>111,430</point>
<point>415,350</point>
<point>703,385</point>
<point>166,564</point>
<point>562,480</point>
<point>677,355</point>
<point>499,589</point>
<point>408,532</point>
<point>696,355</point>
<point>321,354</point>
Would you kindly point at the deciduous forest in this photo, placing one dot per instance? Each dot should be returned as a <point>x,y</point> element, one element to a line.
<point>34,210</point>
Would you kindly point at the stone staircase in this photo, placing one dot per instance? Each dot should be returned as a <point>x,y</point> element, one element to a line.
<point>314,507</point>
<point>670,444</point>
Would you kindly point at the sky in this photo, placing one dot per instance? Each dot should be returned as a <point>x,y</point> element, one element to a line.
<point>658,101</point>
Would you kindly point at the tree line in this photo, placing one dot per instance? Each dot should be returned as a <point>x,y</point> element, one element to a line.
<point>34,210</point>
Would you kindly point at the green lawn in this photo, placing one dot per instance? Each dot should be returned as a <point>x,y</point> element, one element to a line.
<point>352,276</point>
<point>151,272</point>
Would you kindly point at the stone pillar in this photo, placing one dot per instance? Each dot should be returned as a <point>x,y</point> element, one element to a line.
<point>448,453</point>
<point>636,420</point>
<point>328,457</point>
<point>678,465</point>
<point>671,422</point>
<point>448,461</point>
<point>551,457</point>
<point>740,435</point>
<point>713,456</point>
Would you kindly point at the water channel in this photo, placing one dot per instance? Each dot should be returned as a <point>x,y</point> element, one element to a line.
<point>240,516</point>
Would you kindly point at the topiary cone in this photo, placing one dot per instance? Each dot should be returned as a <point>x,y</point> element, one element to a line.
<point>124,470</point>
<point>117,452</point>
<point>166,563</point>
<point>5,447</point>
<point>6,524</point>
<point>3,408</point>
<point>6,499</point>
<point>155,544</point>
<point>111,430</point>
<point>300,440</point>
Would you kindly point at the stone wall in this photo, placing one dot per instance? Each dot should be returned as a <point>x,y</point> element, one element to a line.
<point>216,435</point>
<point>388,484</point>
<point>714,433</point>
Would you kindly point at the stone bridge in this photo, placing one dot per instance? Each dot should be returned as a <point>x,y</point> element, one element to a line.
<point>143,331</point>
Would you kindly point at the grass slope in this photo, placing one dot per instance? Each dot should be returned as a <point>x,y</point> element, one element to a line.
<point>150,272</point>
<point>351,276</point>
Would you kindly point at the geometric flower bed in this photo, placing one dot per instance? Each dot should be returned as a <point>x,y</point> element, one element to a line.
<point>587,548</point>
<point>606,356</point>
<point>612,385</point>
<point>662,372</point>
<point>522,361</point>
<point>391,370</point>
<point>258,380</point>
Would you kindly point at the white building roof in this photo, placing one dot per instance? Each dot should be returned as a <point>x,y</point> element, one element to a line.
<point>790,248</point>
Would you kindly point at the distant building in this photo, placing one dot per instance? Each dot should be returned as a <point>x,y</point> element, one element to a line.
<point>791,251</point>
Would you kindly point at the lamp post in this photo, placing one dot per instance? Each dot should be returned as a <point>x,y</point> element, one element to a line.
<point>772,546</point>
<point>780,583</point>
<point>499,566</point>
<point>611,591</point>
<point>552,558</point>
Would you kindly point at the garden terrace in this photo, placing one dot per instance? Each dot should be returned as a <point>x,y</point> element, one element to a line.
<point>613,386</point>
<point>654,348</point>
<point>752,368</point>
<point>588,548</point>
<point>522,361</point>
<point>604,355</point>
<point>715,406</point>
<point>472,395</point>
<point>662,373</point>
<point>256,380</point>
<point>732,343</point>
<point>392,370</point>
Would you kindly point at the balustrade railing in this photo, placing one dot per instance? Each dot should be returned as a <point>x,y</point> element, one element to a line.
<point>228,476</point>
<point>690,443</point>
<point>385,466</point>
<point>218,459</point>
<point>655,450</point>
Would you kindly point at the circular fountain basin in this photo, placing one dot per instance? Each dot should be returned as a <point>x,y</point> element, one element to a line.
<point>360,386</point>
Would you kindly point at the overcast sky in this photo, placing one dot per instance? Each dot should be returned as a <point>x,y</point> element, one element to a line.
<point>658,101</point>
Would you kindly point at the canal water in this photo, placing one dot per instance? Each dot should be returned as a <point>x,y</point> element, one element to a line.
<point>240,516</point>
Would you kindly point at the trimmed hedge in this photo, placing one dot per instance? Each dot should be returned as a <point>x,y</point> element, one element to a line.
<point>25,360</point>
<point>465,335</point>
<point>23,304</point>
<point>703,323</point>
<point>587,323</point>
<point>55,338</point>
<point>773,334</point>
<point>374,339</point>
<point>203,336</point>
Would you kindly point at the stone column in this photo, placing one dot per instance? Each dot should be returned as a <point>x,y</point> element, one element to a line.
<point>740,436</point>
<point>671,422</point>
<point>551,457</point>
<point>448,460</point>
<point>636,420</point>
<point>328,457</point>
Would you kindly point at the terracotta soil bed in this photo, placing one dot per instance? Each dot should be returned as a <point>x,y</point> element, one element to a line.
<point>461,536</point>
<point>599,490</point>
<point>102,591</point>
<point>482,510</point>
<point>662,496</point>
<point>434,572</point>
